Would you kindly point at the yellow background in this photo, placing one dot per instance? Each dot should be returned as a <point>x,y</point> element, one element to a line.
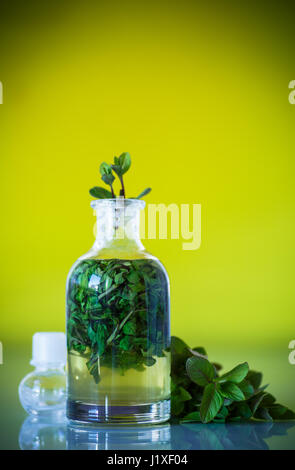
<point>199,97</point>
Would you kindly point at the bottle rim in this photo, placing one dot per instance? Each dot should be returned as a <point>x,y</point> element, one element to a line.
<point>118,202</point>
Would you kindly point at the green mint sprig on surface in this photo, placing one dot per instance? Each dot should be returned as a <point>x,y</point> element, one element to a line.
<point>120,166</point>
<point>200,394</point>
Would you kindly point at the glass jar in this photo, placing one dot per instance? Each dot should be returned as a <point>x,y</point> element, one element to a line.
<point>118,324</point>
<point>101,437</point>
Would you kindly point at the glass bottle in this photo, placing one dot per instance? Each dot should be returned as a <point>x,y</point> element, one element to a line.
<point>118,324</point>
<point>44,389</point>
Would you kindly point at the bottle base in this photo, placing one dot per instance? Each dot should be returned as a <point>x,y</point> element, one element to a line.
<point>152,413</point>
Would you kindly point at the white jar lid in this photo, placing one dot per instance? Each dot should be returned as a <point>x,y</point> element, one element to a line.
<point>49,348</point>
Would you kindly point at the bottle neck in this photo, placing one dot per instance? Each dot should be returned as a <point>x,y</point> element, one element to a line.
<point>118,228</point>
<point>45,366</point>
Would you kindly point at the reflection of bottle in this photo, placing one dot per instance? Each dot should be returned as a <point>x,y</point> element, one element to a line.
<point>43,390</point>
<point>43,432</point>
<point>108,438</point>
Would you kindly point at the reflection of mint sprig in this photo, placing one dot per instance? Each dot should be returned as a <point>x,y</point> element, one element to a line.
<point>120,166</point>
<point>200,394</point>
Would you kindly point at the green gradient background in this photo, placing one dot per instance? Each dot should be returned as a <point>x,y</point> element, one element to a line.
<point>198,94</point>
